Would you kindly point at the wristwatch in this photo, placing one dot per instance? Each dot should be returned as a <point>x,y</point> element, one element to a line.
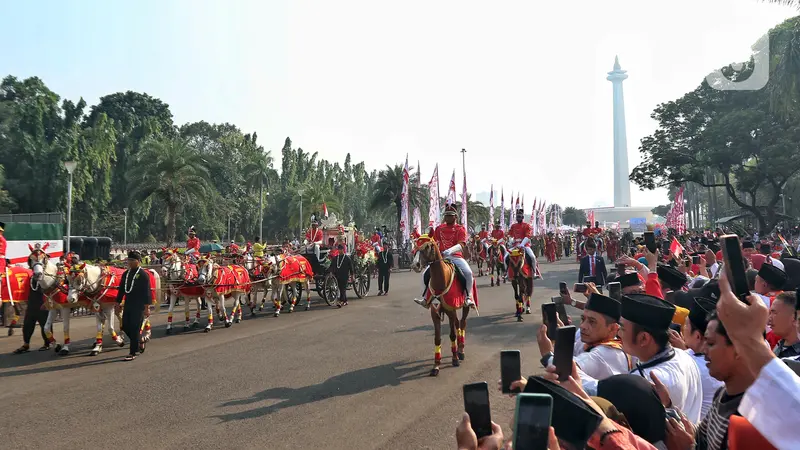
<point>546,358</point>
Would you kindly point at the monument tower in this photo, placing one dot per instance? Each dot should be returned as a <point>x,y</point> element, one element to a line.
<point>622,185</point>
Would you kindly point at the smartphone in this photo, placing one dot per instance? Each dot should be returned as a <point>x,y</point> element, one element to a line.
<point>510,369</point>
<point>532,421</point>
<point>650,241</point>
<point>549,312</point>
<point>560,309</point>
<point>562,288</point>
<point>696,259</point>
<point>615,290</point>
<point>671,412</point>
<point>675,326</point>
<point>562,354</point>
<point>665,246</point>
<point>734,266</point>
<point>476,404</point>
<point>579,287</point>
<point>590,279</point>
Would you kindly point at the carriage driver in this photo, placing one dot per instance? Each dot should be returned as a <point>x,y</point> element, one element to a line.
<point>452,239</point>
<point>522,232</point>
<point>314,237</point>
<point>192,243</point>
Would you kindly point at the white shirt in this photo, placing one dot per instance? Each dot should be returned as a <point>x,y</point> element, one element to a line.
<point>710,384</point>
<point>771,405</point>
<point>682,378</point>
<point>714,269</point>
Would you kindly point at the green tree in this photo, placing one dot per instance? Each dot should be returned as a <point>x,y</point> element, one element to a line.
<point>259,175</point>
<point>388,190</point>
<point>573,216</point>
<point>173,173</point>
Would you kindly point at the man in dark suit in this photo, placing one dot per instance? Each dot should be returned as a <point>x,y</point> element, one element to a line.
<point>342,267</point>
<point>385,262</point>
<point>592,265</point>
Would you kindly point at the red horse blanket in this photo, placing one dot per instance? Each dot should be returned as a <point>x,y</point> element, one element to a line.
<point>514,259</point>
<point>296,269</point>
<point>453,297</point>
<point>190,276</point>
<point>232,279</point>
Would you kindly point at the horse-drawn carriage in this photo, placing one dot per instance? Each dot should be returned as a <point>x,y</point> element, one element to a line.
<point>334,233</point>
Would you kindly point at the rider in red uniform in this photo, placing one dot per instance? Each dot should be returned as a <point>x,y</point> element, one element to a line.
<point>522,233</point>
<point>415,233</point>
<point>192,244</point>
<point>233,248</point>
<point>452,239</point>
<point>376,240</point>
<point>314,237</point>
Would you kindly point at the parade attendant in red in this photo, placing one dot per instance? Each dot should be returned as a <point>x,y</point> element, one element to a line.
<point>522,232</point>
<point>233,248</point>
<point>3,245</point>
<point>452,239</point>
<point>314,234</point>
<point>192,244</point>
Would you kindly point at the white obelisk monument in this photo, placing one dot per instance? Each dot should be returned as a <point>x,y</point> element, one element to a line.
<point>622,185</point>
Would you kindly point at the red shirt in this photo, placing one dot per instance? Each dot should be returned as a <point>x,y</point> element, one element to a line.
<point>449,235</point>
<point>3,256</point>
<point>520,231</point>
<point>193,243</point>
<point>233,248</point>
<point>313,235</point>
<point>376,238</point>
<point>415,235</point>
<point>483,235</point>
<point>498,234</point>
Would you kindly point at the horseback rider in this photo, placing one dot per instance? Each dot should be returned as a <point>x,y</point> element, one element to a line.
<point>500,235</point>
<point>452,239</point>
<point>233,248</point>
<point>522,233</point>
<point>377,239</point>
<point>192,243</point>
<point>314,237</point>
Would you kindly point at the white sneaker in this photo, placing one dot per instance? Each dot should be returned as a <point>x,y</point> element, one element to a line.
<point>421,302</point>
<point>469,303</point>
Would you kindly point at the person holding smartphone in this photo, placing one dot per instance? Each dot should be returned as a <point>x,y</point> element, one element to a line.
<point>601,355</point>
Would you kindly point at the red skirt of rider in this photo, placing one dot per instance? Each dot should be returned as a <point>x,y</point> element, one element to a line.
<point>16,284</point>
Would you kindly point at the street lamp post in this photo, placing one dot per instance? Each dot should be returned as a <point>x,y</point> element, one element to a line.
<point>70,166</point>
<point>125,236</point>
<point>301,211</point>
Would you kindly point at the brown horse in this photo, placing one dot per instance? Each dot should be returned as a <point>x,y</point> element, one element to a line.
<point>478,252</point>
<point>521,274</point>
<point>444,295</point>
<point>495,263</point>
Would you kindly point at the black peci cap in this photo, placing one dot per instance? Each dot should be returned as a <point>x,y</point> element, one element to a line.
<point>647,311</point>
<point>671,276</point>
<point>629,279</point>
<point>604,305</point>
<point>774,276</point>
<point>134,254</point>
<point>698,314</point>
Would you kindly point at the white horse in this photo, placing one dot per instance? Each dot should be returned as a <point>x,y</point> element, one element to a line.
<point>91,282</point>
<point>48,277</point>
<point>211,276</point>
<point>174,272</point>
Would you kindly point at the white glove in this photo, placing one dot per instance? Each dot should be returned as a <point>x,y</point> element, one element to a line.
<point>305,241</point>
<point>451,250</point>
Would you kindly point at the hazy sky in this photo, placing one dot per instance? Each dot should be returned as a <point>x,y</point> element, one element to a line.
<point>520,84</point>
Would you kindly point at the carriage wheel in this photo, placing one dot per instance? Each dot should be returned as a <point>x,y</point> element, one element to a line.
<point>330,290</point>
<point>361,284</point>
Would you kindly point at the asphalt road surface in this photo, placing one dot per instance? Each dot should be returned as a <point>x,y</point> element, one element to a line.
<point>350,378</point>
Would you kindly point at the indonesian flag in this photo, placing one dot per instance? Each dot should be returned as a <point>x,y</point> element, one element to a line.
<point>324,210</point>
<point>511,211</point>
<point>516,205</point>
<point>451,192</point>
<point>491,209</point>
<point>676,248</point>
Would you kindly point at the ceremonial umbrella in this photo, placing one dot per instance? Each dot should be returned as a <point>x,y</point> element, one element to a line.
<point>209,248</point>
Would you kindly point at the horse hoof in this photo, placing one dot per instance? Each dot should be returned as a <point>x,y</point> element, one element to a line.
<point>456,362</point>
<point>195,325</point>
<point>58,348</point>
<point>237,321</point>
<point>228,324</point>
<point>186,328</point>
<point>206,330</point>
<point>461,356</point>
<point>121,343</point>
<point>527,311</point>
<point>169,331</point>
<point>435,372</point>
<point>10,331</point>
<point>63,352</point>
<point>307,308</point>
<point>519,318</point>
<point>94,353</point>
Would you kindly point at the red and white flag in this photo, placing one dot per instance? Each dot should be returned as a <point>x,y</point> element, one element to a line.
<point>502,210</point>
<point>404,222</point>
<point>676,248</point>
<point>491,210</point>
<point>433,194</point>
<point>451,192</point>
<point>324,210</point>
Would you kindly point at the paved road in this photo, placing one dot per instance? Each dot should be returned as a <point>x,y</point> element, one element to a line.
<point>351,378</point>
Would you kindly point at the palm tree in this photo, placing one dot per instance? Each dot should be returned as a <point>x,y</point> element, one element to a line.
<point>388,190</point>
<point>258,173</point>
<point>173,173</point>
